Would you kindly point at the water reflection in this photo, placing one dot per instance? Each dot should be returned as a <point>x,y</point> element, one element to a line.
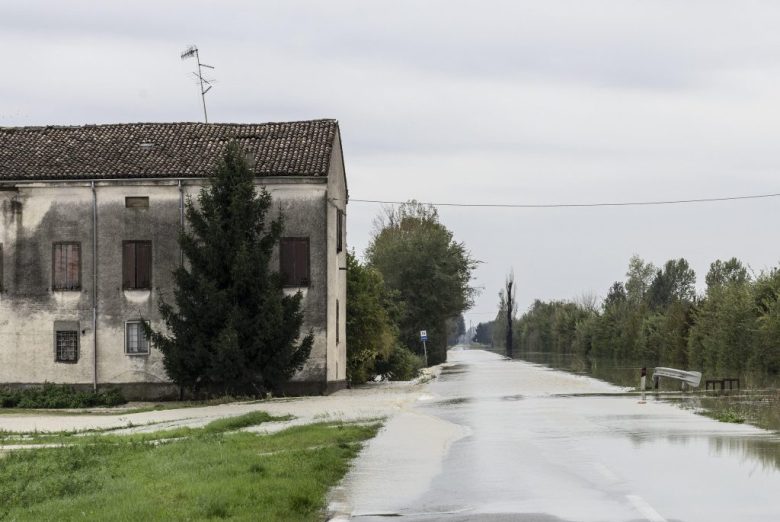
<point>540,444</point>
<point>649,432</point>
<point>577,448</point>
<point>626,372</point>
<point>763,449</point>
<point>758,402</point>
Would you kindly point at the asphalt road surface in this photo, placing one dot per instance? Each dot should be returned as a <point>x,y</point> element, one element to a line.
<point>494,439</point>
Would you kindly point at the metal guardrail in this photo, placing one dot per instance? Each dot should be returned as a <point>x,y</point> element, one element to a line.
<point>687,377</point>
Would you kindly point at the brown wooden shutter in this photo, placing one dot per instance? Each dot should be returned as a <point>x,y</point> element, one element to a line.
<point>143,265</point>
<point>72,266</point>
<point>294,261</point>
<point>339,230</point>
<point>128,265</point>
<point>302,262</point>
<point>285,261</point>
<point>58,266</point>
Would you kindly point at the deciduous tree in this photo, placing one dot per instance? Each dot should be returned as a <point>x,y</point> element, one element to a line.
<point>371,332</point>
<point>429,271</point>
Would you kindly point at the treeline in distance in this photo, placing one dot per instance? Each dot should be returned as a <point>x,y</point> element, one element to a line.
<point>655,317</point>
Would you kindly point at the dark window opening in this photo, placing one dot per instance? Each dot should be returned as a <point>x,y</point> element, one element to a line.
<point>137,202</point>
<point>67,348</point>
<point>338,321</point>
<point>294,261</point>
<point>66,266</point>
<point>136,342</point>
<point>137,265</point>
<point>339,230</point>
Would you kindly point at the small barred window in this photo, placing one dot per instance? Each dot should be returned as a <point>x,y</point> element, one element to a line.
<point>67,349</point>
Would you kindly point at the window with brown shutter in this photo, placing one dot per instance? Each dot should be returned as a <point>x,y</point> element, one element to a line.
<point>339,230</point>
<point>137,265</point>
<point>66,266</point>
<point>294,261</point>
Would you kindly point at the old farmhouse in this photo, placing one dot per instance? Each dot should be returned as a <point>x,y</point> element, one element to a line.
<point>88,241</point>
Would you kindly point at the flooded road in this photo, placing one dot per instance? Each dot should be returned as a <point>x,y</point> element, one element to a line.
<point>494,439</point>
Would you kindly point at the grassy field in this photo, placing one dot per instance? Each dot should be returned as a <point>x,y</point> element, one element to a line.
<point>209,473</point>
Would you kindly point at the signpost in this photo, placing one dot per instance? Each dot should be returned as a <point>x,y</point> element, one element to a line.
<point>423,338</point>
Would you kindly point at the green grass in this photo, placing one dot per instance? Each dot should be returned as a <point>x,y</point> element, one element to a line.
<point>242,421</point>
<point>209,475</point>
<point>726,415</point>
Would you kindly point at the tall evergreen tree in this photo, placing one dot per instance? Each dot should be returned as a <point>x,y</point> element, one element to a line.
<point>232,329</point>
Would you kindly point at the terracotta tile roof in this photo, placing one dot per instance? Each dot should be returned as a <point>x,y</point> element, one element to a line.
<point>157,150</point>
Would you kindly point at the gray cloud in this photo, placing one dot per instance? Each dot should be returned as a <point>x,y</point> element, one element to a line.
<point>448,100</point>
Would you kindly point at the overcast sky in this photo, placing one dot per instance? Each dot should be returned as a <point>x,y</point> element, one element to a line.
<point>452,101</point>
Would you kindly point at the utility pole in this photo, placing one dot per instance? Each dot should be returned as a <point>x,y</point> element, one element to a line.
<point>191,51</point>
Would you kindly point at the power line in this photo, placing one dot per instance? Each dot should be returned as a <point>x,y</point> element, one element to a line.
<point>576,205</point>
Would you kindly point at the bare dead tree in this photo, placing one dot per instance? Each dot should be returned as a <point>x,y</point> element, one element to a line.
<point>510,308</point>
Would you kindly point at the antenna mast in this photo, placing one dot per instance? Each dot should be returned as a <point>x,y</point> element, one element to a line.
<point>191,51</point>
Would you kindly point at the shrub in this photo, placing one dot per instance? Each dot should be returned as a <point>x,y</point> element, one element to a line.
<point>58,396</point>
<point>111,397</point>
<point>401,365</point>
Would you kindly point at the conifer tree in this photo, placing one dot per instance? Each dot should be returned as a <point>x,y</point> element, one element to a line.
<point>232,330</point>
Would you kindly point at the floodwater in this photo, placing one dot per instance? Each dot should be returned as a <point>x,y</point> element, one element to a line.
<point>496,439</point>
<point>626,372</point>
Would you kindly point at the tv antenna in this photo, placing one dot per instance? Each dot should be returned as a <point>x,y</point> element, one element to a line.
<point>191,51</point>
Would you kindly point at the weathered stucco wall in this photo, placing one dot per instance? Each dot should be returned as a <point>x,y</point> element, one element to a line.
<point>337,264</point>
<point>28,306</point>
<point>302,208</point>
<point>35,215</point>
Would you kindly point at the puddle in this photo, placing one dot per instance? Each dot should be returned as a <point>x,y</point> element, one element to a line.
<point>454,402</point>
